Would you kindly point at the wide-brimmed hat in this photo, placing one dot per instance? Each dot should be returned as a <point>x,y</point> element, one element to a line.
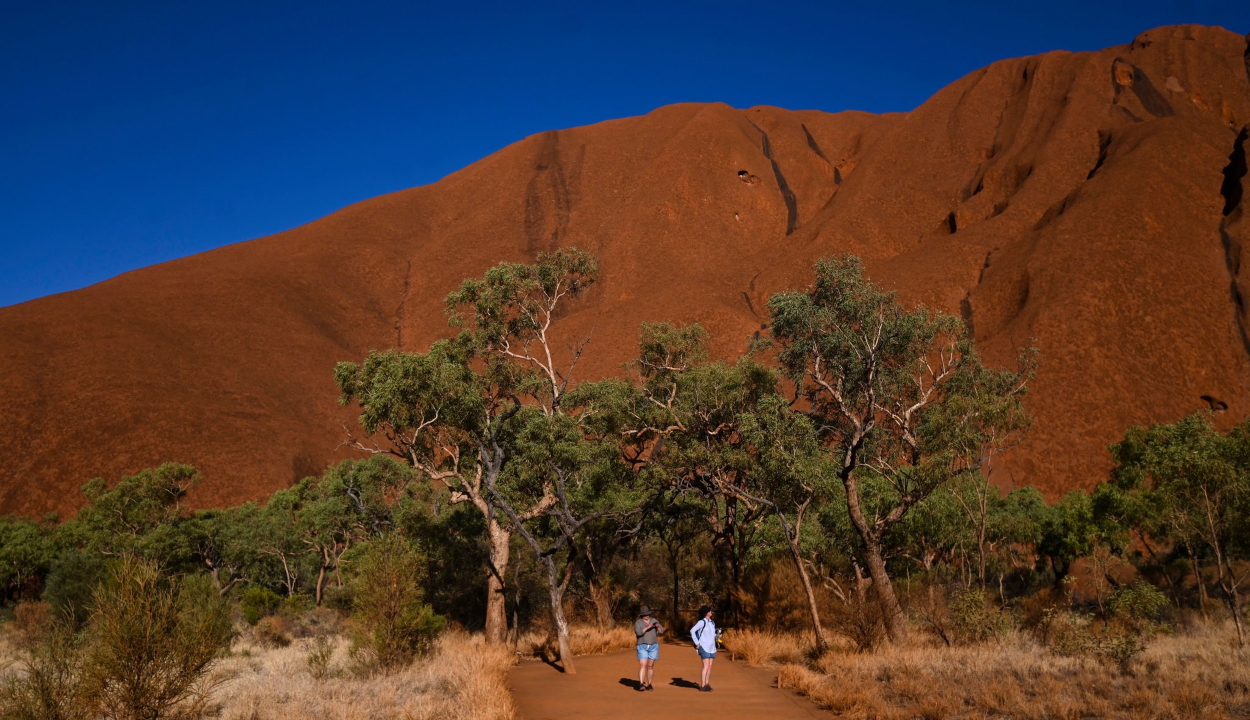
<point>644,611</point>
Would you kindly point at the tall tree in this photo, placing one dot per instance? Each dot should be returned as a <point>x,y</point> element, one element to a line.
<point>898,396</point>
<point>450,412</point>
<point>686,431</point>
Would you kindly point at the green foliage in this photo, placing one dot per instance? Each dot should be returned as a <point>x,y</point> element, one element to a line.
<point>257,602</point>
<point>1138,605</point>
<point>152,641</point>
<point>975,618</point>
<point>394,625</point>
<point>71,584</point>
<point>136,515</point>
<point>27,550</point>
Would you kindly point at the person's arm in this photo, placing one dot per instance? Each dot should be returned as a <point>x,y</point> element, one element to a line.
<point>637,632</point>
<point>694,633</point>
<point>659,629</point>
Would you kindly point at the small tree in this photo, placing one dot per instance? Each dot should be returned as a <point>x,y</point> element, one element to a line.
<point>900,400</point>
<point>151,642</point>
<point>394,624</point>
<point>1197,480</point>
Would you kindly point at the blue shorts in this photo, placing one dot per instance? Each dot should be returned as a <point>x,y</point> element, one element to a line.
<point>707,655</point>
<point>649,652</point>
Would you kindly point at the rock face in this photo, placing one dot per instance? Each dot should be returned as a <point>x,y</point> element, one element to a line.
<point>1090,204</point>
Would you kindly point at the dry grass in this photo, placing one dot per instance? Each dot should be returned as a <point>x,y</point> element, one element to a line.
<point>584,639</point>
<point>1199,675</point>
<point>762,647</point>
<point>462,679</point>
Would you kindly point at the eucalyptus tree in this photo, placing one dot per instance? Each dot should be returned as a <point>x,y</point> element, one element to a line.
<point>449,412</point>
<point>1195,481</point>
<point>900,400</point>
<point>686,433</point>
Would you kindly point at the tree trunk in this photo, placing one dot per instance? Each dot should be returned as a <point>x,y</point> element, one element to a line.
<point>894,620</point>
<point>1235,602</point>
<point>496,602</point>
<point>895,623</point>
<point>676,616</point>
<point>603,606</point>
<point>822,644</point>
<point>556,590</point>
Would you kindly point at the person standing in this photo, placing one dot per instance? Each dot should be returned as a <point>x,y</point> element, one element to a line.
<point>648,630</point>
<point>704,635</point>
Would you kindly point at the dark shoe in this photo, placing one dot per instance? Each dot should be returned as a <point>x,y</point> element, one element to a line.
<point>705,688</point>
<point>640,687</point>
<point>649,687</point>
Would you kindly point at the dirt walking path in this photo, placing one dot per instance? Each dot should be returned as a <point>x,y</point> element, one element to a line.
<point>603,689</point>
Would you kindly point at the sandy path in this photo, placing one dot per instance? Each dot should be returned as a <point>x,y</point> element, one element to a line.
<point>603,689</point>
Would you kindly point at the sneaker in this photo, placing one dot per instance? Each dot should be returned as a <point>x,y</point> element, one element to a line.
<point>705,688</point>
<point>708,687</point>
<point>650,687</point>
<point>640,687</point>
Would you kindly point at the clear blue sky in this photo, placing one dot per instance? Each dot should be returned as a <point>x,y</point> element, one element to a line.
<point>132,133</point>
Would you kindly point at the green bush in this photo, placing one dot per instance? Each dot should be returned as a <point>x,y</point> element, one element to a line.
<point>259,601</point>
<point>393,624</point>
<point>974,617</point>
<point>1139,606</point>
<point>151,642</point>
<point>72,582</point>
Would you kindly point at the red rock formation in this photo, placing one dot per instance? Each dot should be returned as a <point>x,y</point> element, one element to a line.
<point>1087,203</point>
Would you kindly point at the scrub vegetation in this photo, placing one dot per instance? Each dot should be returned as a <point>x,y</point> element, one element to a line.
<point>828,492</point>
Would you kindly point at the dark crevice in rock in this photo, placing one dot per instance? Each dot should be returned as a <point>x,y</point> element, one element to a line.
<point>1104,142</point>
<point>1234,171</point>
<point>1214,403</point>
<point>787,195</point>
<point>811,143</point>
<point>1232,189</point>
<point>1056,210</point>
<point>750,305</point>
<point>399,311</point>
<point>548,201</point>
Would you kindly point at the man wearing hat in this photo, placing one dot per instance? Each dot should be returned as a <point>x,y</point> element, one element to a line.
<point>648,630</point>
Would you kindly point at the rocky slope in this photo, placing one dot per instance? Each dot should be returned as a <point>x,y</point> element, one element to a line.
<point>1090,204</point>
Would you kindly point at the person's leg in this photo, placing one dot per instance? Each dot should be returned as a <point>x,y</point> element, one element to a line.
<point>650,672</point>
<point>707,672</point>
<point>642,669</point>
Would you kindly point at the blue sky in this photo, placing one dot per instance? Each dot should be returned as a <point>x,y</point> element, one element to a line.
<point>134,132</point>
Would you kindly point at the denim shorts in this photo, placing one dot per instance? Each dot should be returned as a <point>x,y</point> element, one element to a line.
<point>649,652</point>
<point>707,655</point>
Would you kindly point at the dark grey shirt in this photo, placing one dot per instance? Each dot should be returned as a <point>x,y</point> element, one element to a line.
<point>645,636</point>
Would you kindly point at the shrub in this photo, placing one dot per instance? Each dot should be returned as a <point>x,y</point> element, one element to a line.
<point>71,584</point>
<point>974,618</point>
<point>393,624</point>
<point>151,642</point>
<point>860,620</point>
<point>271,631</point>
<point>1139,606</point>
<point>257,602</point>
<point>32,623</point>
<point>319,658</point>
<point>49,688</point>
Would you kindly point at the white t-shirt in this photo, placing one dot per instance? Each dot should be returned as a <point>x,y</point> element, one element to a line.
<point>704,635</point>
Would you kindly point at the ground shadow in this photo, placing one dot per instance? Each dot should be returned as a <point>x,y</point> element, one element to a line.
<point>549,661</point>
<point>679,682</point>
<point>631,683</point>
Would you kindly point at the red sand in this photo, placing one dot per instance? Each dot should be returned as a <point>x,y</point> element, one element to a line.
<point>1082,202</point>
<point>597,692</point>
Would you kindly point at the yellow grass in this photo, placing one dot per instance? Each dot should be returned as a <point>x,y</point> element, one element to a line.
<point>584,640</point>
<point>462,679</point>
<point>764,647</point>
<point>1200,675</point>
